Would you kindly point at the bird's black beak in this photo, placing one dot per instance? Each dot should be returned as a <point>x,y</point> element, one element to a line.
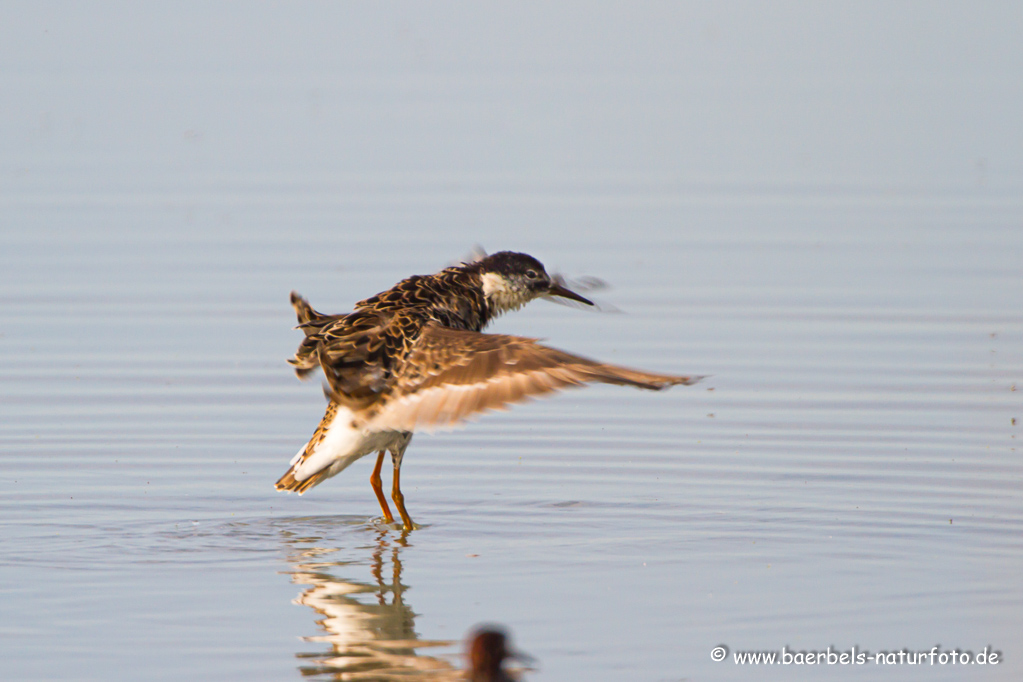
<point>558,290</point>
<point>520,657</point>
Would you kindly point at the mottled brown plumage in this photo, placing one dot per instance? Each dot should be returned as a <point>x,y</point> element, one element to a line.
<point>413,357</point>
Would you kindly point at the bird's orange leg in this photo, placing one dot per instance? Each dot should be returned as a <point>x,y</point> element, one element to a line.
<point>399,499</point>
<point>374,480</point>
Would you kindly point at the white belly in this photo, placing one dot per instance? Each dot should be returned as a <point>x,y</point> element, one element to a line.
<point>341,445</point>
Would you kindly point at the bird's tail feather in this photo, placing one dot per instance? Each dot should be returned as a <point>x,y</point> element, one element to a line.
<point>333,448</point>
<point>289,483</point>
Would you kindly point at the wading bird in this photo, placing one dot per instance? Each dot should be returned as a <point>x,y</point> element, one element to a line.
<point>413,357</point>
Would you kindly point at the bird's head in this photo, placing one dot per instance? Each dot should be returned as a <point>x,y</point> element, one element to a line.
<point>487,649</point>
<point>511,280</point>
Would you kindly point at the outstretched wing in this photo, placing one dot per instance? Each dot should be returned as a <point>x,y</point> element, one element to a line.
<point>452,374</point>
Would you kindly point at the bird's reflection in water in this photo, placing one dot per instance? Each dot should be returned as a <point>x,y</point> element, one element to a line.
<point>368,625</point>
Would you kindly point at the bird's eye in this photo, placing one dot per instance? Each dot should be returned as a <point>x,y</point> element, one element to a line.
<point>531,274</point>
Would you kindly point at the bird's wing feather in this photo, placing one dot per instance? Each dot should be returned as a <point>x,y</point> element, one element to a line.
<point>358,353</point>
<point>452,374</point>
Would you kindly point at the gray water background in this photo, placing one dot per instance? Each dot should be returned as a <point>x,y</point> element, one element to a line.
<point>820,206</point>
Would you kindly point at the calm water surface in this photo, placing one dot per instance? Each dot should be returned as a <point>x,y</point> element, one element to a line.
<point>850,474</point>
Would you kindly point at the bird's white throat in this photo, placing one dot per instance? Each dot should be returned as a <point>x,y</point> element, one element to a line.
<point>501,295</point>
